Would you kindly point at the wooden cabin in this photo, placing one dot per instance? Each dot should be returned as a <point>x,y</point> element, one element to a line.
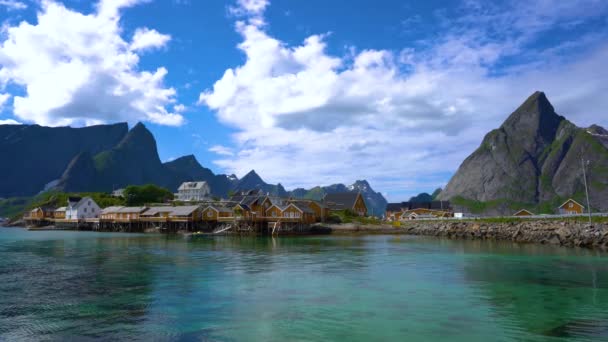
<point>189,213</point>
<point>274,212</point>
<point>216,213</point>
<point>523,212</point>
<point>296,213</point>
<point>156,214</point>
<point>571,207</point>
<point>319,210</point>
<point>346,201</point>
<point>40,213</point>
<point>59,213</point>
<point>119,213</point>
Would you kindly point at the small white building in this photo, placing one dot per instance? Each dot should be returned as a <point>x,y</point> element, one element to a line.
<point>82,208</point>
<point>193,191</point>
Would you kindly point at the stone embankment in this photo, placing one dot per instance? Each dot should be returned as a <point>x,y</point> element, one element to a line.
<point>563,233</point>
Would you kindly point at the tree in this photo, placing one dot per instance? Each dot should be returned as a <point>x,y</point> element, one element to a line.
<point>149,193</point>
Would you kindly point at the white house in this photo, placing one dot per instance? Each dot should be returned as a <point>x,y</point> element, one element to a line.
<point>193,191</point>
<point>81,208</point>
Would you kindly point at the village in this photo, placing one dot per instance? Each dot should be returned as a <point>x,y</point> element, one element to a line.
<point>396,212</point>
<point>193,210</point>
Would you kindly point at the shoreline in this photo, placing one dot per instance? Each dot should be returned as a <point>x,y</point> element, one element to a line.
<point>558,233</point>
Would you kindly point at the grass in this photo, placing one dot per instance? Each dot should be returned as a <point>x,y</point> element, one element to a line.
<point>347,216</point>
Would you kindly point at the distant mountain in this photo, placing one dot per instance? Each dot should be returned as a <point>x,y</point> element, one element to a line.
<point>32,156</point>
<point>375,202</point>
<point>108,157</point>
<point>253,181</point>
<point>533,160</point>
<point>421,198</point>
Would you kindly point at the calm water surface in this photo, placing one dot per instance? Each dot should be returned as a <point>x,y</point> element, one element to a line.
<point>77,285</point>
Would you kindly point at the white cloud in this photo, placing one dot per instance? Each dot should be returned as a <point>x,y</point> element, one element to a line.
<point>9,122</point>
<point>77,69</point>
<point>249,7</point>
<point>402,120</point>
<point>221,150</point>
<point>145,38</point>
<point>12,5</point>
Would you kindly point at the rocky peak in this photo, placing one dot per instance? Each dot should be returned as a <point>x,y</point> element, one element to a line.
<point>140,140</point>
<point>360,185</point>
<point>534,124</point>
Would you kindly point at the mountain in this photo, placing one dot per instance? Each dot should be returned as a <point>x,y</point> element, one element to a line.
<point>32,156</point>
<point>135,161</point>
<point>533,160</point>
<point>376,203</point>
<point>422,197</point>
<point>107,157</point>
<point>253,181</point>
<point>187,168</point>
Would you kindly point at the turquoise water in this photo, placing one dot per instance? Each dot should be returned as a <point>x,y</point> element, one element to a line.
<point>81,285</point>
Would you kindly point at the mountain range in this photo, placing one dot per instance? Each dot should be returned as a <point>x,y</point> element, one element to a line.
<point>533,160</point>
<point>107,157</point>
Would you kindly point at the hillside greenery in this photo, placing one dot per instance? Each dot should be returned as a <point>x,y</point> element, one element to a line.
<point>149,193</point>
<point>134,195</point>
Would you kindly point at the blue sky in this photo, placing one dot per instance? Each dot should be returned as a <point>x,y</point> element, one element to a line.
<point>305,92</point>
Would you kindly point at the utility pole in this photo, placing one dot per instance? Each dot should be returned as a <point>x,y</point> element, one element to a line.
<point>586,188</point>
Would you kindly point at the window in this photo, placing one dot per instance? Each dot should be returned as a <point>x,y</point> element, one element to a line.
<point>570,205</point>
<point>274,214</point>
<point>209,214</point>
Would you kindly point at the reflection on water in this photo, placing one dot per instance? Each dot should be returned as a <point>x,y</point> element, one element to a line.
<point>74,285</point>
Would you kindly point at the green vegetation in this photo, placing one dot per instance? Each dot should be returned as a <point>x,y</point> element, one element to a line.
<point>348,216</point>
<point>149,193</point>
<point>16,207</point>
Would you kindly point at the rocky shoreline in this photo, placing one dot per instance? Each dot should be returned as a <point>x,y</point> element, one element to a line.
<point>561,233</point>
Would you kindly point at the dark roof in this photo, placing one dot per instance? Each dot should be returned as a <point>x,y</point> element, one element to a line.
<point>440,205</point>
<point>395,206</point>
<point>341,200</point>
<point>435,205</point>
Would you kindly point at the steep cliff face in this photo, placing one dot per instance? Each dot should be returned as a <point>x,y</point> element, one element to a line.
<point>32,156</point>
<point>133,161</point>
<point>533,158</point>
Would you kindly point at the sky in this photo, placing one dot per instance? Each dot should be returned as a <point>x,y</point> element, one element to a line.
<point>305,92</point>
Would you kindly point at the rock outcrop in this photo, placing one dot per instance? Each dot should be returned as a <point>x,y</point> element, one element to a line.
<point>534,158</point>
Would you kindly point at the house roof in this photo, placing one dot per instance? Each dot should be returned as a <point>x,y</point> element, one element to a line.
<point>341,200</point>
<point>111,210</point>
<point>61,209</point>
<point>302,208</point>
<point>198,185</point>
<point>571,200</point>
<point>524,211</point>
<point>132,209</point>
<point>152,211</point>
<point>184,210</point>
<point>219,209</point>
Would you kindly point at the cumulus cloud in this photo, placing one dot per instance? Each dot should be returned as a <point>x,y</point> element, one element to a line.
<point>403,119</point>
<point>77,68</point>
<point>12,5</point>
<point>146,38</point>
